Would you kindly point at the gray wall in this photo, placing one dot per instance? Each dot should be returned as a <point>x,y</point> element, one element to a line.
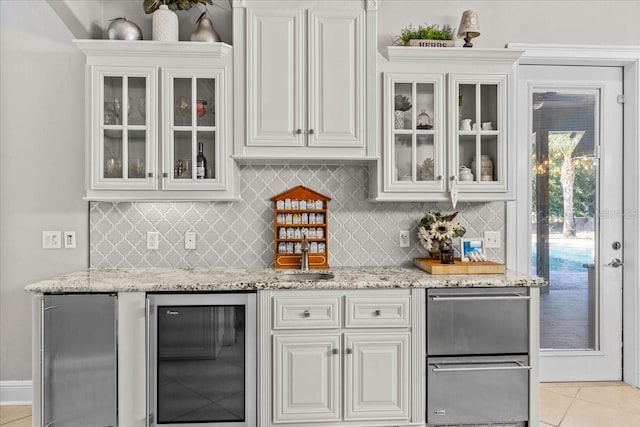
<point>41,170</point>
<point>41,161</point>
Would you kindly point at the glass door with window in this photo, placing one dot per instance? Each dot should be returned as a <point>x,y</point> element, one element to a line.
<point>192,138</point>
<point>574,133</point>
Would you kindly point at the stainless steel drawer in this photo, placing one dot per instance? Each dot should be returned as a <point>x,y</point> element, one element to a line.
<point>477,390</point>
<point>477,321</point>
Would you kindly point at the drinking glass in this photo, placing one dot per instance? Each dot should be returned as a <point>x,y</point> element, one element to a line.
<point>117,108</point>
<point>142,107</point>
<point>182,107</point>
<point>201,107</point>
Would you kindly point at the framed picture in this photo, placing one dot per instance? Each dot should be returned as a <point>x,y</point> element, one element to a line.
<point>472,249</point>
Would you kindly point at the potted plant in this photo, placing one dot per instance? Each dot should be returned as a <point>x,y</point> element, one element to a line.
<point>402,104</point>
<point>151,6</point>
<point>164,24</point>
<point>432,35</point>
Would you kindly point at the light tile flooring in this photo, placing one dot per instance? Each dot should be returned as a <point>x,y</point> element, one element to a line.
<point>602,404</point>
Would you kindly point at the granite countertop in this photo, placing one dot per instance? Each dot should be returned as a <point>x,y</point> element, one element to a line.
<point>229,279</point>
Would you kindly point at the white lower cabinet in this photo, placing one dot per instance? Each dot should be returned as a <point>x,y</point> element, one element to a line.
<point>340,372</point>
<point>306,374</point>
<point>377,376</point>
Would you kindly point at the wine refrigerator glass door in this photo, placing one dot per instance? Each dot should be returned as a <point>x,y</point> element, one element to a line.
<point>202,360</point>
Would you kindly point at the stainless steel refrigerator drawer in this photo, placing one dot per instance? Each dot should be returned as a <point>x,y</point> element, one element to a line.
<point>477,390</point>
<point>477,321</point>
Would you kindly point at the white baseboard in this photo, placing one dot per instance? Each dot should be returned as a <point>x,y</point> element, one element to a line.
<point>16,393</point>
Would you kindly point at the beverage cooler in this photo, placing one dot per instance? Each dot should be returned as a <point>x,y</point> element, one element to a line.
<point>477,356</point>
<point>202,359</point>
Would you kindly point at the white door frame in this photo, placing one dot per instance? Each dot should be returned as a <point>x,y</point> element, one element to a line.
<point>627,57</point>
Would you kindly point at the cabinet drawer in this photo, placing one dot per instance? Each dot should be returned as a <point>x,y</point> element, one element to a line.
<point>379,311</point>
<point>306,313</point>
<point>477,321</point>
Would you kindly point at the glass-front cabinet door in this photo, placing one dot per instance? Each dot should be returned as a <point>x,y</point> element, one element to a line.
<point>414,133</point>
<point>191,133</point>
<point>124,135</point>
<point>478,133</point>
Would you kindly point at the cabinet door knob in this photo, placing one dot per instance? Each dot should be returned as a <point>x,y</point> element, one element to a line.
<point>298,131</point>
<point>311,131</point>
<point>377,312</point>
<point>150,175</point>
<point>334,351</point>
<point>306,313</point>
<point>165,174</point>
<point>349,351</point>
<point>452,178</point>
<point>439,178</point>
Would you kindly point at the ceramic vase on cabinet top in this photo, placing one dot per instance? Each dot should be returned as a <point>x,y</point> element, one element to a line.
<point>204,31</point>
<point>164,24</point>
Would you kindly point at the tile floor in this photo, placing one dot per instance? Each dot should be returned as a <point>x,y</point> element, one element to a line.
<point>602,404</point>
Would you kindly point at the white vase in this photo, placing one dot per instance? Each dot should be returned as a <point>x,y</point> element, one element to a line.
<point>164,25</point>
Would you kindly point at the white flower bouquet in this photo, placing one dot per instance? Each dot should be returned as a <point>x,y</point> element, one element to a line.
<point>436,230</point>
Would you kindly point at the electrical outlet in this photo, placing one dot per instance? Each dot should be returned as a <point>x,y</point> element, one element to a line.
<point>69,239</point>
<point>51,240</point>
<point>405,240</point>
<point>190,240</point>
<point>153,240</point>
<point>492,239</point>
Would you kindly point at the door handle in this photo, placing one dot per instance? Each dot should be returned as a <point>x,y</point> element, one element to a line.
<point>501,366</point>
<point>616,263</point>
<point>438,298</point>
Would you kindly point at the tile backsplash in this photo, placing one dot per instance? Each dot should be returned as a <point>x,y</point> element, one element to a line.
<point>240,234</point>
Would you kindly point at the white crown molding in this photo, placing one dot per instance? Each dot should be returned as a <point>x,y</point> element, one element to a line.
<point>439,54</point>
<point>139,48</point>
<point>16,393</point>
<point>576,54</point>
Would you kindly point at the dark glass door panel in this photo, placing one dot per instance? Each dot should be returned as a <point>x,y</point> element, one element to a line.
<point>200,364</point>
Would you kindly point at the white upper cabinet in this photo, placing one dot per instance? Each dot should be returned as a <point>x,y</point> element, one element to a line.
<point>305,89</point>
<point>447,130</point>
<point>151,106</point>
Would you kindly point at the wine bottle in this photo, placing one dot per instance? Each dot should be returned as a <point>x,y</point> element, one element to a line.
<point>201,162</point>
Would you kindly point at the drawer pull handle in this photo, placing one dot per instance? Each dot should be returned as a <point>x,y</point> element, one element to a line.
<point>334,351</point>
<point>438,298</point>
<point>377,313</point>
<point>298,131</point>
<point>499,367</point>
<point>306,313</point>
<point>349,351</point>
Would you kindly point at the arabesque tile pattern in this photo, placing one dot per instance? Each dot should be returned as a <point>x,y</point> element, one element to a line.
<point>240,234</point>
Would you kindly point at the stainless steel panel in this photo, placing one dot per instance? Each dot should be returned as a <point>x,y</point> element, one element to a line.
<point>477,322</point>
<point>477,390</point>
<point>79,360</point>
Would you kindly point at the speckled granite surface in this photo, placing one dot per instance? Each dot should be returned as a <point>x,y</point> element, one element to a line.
<point>225,279</point>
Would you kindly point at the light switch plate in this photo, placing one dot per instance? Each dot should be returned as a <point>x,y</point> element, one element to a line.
<point>492,239</point>
<point>51,240</point>
<point>153,240</point>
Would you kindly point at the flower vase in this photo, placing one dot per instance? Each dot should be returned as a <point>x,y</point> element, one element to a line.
<point>164,24</point>
<point>446,252</point>
<point>398,119</point>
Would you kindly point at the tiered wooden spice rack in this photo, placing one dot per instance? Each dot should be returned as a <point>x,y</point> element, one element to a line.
<point>297,211</point>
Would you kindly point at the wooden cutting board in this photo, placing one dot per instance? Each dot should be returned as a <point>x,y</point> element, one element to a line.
<point>434,266</point>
